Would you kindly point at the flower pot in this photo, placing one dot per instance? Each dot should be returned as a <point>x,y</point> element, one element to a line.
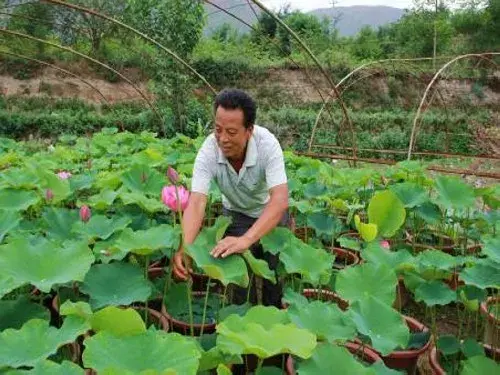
<point>441,242</point>
<point>250,363</point>
<point>343,258</point>
<point>492,329</point>
<point>183,327</point>
<point>407,359</point>
<point>437,369</point>
<point>362,352</point>
<point>326,295</point>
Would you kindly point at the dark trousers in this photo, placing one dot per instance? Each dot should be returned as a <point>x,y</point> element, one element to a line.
<point>271,293</point>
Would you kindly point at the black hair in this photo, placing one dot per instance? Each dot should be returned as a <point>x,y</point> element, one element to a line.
<point>237,99</point>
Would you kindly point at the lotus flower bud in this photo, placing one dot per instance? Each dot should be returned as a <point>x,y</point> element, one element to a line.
<point>385,244</point>
<point>172,175</point>
<point>64,175</point>
<point>85,213</point>
<point>49,195</point>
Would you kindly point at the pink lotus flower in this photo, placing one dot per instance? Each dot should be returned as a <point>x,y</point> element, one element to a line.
<point>49,195</point>
<point>385,244</point>
<point>85,213</point>
<point>169,197</point>
<point>172,175</point>
<point>64,175</point>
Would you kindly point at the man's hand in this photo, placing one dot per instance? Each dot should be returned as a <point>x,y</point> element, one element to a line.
<point>231,245</point>
<point>181,265</point>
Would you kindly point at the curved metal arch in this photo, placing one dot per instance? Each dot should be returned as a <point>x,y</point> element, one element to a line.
<point>130,28</point>
<point>323,71</point>
<point>349,75</point>
<point>421,109</point>
<point>57,68</point>
<point>67,49</point>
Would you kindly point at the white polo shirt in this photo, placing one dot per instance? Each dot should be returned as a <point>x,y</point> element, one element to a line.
<point>247,191</point>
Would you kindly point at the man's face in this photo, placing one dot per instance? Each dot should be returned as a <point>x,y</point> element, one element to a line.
<point>230,132</point>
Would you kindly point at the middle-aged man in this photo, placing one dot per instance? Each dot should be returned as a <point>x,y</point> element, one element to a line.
<point>246,161</point>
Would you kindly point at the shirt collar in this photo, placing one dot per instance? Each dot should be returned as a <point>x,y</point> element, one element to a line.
<point>250,157</point>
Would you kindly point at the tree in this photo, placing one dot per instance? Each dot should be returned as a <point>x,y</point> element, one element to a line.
<point>366,45</point>
<point>178,25</point>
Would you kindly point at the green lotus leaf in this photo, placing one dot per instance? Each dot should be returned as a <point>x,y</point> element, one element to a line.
<point>8,221</point>
<point>259,267</point>
<point>146,242</point>
<point>107,251</point>
<point>103,200</point>
<point>293,298</point>
<point>50,368</point>
<point>410,194</point>
<point>448,344</point>
<point>148,204</point>
<point>262,332</point>
<point>332,359</point>
<point>367,279</point>
<point>303,206</point>
<point>81,182</point>
<point>49,180</point>
<point>431,260</point>
<point>384,326</point>
<point>454,193</point>
<point>482,275</point>
<point>325,320</point>
<point>313,264</point>
<point>434,292</point>
<point>349,243</point>
<point>119,322</point>
<point>99,226</point>
<point>116,284</point>
<point>108,180</point>
<point>397,260</point>
<point>429,212</point>
<point>17,200</point>
<point>386,211</point>
<point>223,370</point>
<point>277,239</point>
<point>380,368</point>
<point>8,284</point>
<point>80,309</point>
<point>240,310</point>
<point>367,231</point>
<point>143,180</point>
<point>19,178</point>
<point>227,270</point>
<point>14,313</point>
<point>45,263</point>
<point>480,365</point>
<point>58,222</point>
<point>491,248</point>
<point>324,224</point>
<point>149,352</point>
<point>471,348</point>
<point>41,339</point>
<point>314,189</point>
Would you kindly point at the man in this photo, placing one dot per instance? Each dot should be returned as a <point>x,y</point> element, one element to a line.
<point>246,161</point>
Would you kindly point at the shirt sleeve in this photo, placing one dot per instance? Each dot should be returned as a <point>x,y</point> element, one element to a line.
<point>275,166</point>
<point>204,169</point>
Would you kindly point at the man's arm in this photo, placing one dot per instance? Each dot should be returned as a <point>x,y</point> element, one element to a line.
<point>191,224</point>
<point>270,218</point>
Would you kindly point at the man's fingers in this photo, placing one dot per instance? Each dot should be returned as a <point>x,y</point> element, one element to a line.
<point>179,275</point>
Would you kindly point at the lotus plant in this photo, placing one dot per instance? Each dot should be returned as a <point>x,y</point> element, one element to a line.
<point>63,175</point>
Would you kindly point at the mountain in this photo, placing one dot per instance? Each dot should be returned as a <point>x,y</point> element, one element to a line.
<point>350,19</point>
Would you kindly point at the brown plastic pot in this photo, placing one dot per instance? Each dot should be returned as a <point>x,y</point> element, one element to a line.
<point>362,352</point>
<point>491,352</point>
<point>407,359</point>
<point>184,328</point>
<point>326,295</point>
<point>345,257</point>
<point>492,329</point>
<point>303,233</point>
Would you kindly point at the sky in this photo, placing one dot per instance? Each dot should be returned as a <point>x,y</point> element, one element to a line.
<point>306,5</point>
